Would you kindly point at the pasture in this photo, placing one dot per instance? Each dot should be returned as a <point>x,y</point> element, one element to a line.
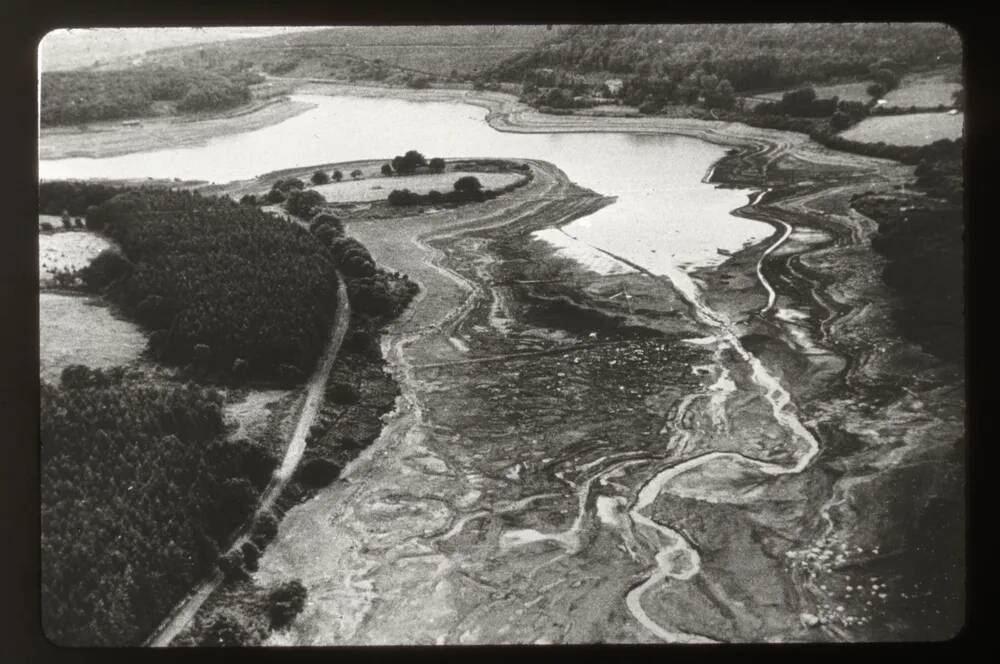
<point>923,90</point>
<point>910,129</point>
<point>76,329</point>
<point>378,187</point>
<point>68,250</point>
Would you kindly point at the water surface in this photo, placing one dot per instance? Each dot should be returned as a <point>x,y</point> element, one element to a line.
<point>665,215</point>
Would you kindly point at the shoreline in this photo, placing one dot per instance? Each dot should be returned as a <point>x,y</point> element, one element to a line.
<point>110,139</point>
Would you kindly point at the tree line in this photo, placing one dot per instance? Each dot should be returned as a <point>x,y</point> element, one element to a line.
<point>139,492</point>
<point>750,56</point>
<point>77,97</point>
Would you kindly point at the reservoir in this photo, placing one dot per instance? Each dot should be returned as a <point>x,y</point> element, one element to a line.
<point>665,216</point>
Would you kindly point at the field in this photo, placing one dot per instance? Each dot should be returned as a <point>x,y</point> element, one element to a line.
<point>75,329</point>
<point>846,91</point>
<point>924,90</point>
<point>378,188</point>
<point>912,129</point>
<point>69,250</point>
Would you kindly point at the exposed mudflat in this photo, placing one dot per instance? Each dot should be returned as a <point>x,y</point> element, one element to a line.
<point>727,457</point>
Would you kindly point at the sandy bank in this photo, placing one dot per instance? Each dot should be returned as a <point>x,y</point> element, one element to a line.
<point>110,139</point>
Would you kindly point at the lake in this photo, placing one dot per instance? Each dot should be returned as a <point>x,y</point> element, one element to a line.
<point>665,216</point>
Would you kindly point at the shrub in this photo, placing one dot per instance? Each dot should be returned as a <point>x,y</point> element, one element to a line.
<point>468,183</point>
<point>46,226</point>
<point>356,173</point>
<point>303,204</point>
<point>436,165</point>
<point>105,268</point>
<point>251,556</point>
<point>226,630</point>
<point>231,565</point>
<point>264,530</point>
<point>319,177</point>
<point>285,602</point>
<point>275,196</point>
<point>386,170</point>
<point>338,176</point>
<point>318,473</point>
<point>408,163</point>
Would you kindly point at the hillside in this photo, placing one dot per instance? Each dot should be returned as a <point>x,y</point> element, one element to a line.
<point>750,56</point>
<point>350,51</point>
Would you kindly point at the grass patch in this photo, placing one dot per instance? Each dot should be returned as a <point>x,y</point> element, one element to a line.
<point>911,129</point>
<point>75,329</point>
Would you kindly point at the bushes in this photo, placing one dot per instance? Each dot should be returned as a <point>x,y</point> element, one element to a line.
<point>467,189</point>
<point>55,196</point>
<point>407,164</point>
<point>105,268</point>
<point>318,473</point>
<point>285,602</point>
<point>303,204</point>
<point>264,530</point>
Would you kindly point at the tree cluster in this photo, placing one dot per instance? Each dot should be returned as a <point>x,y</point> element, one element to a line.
<point>139,492</point>
<point>75,97</point>
<point>219,282</point>
<point>750,56</point>
<point>72,196</point>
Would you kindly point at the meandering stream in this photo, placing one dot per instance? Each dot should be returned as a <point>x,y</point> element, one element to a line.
<point>667,220</point>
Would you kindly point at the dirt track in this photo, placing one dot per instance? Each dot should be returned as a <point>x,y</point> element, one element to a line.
<point>185,612</point>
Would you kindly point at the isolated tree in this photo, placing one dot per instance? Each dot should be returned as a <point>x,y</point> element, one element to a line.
<point>468,184</point>
<point>320,177</point>
<point>386,170</point>
<point>356,173</point>
<point>436,165</point>
<point>338,176</point>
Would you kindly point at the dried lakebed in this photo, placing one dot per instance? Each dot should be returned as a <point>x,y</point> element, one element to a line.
<point>723,454</point>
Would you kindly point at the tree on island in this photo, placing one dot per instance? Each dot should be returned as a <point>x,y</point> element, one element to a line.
<point>468,184</point>
<point>319,177</point>
<point>408,163</point>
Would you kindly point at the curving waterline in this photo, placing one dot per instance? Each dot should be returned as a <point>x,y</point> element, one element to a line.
<point>678,559</point>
